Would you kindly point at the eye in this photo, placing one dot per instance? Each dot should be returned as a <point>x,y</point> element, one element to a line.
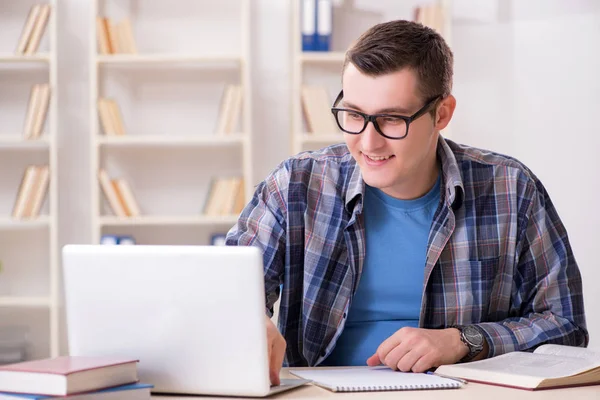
<point>390,120</point>
<point>354,115</point>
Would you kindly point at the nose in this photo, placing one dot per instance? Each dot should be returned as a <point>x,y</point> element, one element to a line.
<point>371,139</point>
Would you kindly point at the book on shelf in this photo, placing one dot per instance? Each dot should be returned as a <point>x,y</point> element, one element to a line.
<point>32,192</point>
<point>225,197</point>
<point>111,119</point>
<point>316,106</point>
<point>230,109</point>
<point>115,38</point>
<point>66,375</point>
<point>33,29</point>
<point>134,391</point>
<point>431,15</point>
<point>549,366</point>
<point>37,111</point>
<point>119,195</point>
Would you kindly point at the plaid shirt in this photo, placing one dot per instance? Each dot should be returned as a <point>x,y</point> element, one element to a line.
<point>498,255</point>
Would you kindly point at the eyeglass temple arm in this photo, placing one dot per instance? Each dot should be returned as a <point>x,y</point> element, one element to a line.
<point>338,98</point>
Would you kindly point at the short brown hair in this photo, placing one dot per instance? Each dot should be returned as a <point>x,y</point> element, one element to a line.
<point>391,46</point>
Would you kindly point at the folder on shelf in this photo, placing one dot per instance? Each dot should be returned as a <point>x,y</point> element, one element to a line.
<point>316,106</point>
<point>38,29</point>
<point>102,36</point>
<point>324,25</point>
<point>110,117</point>
<point>30,22</point>
<point>111,194</point>
<point>225,197</point>
<point>309,25</point>
<point>125,37</point>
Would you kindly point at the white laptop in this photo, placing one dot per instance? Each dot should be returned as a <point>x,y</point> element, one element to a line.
<point>192,315</point>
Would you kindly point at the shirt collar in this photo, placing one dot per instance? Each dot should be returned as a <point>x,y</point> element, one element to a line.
<point>452,181</point>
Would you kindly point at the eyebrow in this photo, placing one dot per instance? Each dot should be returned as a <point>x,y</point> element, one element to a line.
<point>399,110</point>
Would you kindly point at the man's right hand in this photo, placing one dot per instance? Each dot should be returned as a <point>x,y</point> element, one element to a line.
<point>276,345</point>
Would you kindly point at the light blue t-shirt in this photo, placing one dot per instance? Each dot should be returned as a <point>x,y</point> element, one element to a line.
<point>389,293</point>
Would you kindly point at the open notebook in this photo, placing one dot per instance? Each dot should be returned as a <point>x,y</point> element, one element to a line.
<point>367,379</point>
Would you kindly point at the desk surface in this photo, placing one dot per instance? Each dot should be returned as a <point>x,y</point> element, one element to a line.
<point>467,392</point>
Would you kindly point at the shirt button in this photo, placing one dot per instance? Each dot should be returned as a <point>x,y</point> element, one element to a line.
<point>344,316</point>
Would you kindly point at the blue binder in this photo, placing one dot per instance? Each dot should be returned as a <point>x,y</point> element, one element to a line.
<point>309,25</point>
<point>324,24</point>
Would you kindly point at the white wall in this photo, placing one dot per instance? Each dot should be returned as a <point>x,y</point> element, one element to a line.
<point>528,88</point>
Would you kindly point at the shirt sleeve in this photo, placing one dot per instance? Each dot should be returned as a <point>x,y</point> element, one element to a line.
<point>262,223</point>
<point>547,294</point>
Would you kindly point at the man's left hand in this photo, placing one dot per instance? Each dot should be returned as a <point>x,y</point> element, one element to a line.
<point>417,350</point>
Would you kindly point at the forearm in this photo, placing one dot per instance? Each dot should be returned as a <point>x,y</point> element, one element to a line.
<point>525,333</point>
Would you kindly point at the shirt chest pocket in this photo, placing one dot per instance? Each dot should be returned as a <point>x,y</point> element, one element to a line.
<point>470,288</point>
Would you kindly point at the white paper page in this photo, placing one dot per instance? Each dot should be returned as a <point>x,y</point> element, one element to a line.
<point>372,377</point>
<point>531,364</point>
<point>570,351</point>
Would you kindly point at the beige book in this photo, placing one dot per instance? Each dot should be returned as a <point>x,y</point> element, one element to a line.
<point>25,192</point>
<point>105,116</point>
<point>549,366</point>
<point>40,190</point>
<point>240,199</point>
<point>116,117</point>
<point>32,17</point>
<point>111,194</point>
<point>212,204</point>
<point>226,102</point>
<point>39,29</point>
<point>229,194</point>
<point>102,36</point>
<point>127,197</point>
<point>31,110</point>
<point>235,110</point>
<point>126,39</point>
<point>41,111</point>
<point>113,37</point>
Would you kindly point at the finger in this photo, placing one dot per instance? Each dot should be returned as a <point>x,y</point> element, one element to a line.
<point>407,362</point>
<point>388,345</point>
<point>395,355</point>
<point>274,368</point>
<point>278,354</point>
<point>373,361</point>
<point>423,364</point>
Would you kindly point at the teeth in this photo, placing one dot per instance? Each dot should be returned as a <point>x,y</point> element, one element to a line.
<point>378,158</point>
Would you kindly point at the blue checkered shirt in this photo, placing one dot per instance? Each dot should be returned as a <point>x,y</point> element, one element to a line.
<point>498,255</point>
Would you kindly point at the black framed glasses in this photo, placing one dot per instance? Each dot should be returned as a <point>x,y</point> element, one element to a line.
<point>391,126</point>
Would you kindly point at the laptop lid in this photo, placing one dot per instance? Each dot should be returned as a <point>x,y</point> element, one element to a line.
<point>192,315</point>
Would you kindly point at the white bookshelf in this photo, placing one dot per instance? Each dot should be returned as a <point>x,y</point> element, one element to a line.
<point>324,68</point>
<point>170,162</point>
<point>29,292</point>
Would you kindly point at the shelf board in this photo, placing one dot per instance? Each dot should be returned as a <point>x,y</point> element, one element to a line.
<point>8,223</point>
<point>17,142</point>
<point>22,301</point>
<point>169,140</point>
<point>320,138</point>
<point>322,57</point>
<point>18,58</point>
<point>191,220</point>
<point>165,59</point>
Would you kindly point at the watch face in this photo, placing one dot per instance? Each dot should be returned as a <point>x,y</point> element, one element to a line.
<point>473,336</point>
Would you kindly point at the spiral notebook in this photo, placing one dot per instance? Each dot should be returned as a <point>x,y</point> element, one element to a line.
<point>370,379</point>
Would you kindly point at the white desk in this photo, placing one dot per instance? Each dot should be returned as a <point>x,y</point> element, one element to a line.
<point>469,391</point>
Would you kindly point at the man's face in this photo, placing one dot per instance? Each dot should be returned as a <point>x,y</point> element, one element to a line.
<point>394,166</point>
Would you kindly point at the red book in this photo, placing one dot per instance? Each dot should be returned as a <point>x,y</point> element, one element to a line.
<point>62,376</point>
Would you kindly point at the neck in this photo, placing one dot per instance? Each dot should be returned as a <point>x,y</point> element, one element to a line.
<point>418,184</point>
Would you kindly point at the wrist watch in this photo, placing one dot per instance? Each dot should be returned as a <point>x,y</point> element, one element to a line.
<point>472,337</point>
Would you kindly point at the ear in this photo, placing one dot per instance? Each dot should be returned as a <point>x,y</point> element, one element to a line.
<point>444,112</point>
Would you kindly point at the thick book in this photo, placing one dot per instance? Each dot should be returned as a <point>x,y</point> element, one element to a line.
<point>61,376</point>
<point>549,366</point>
<point>371,379</point>
<point>136,391</point>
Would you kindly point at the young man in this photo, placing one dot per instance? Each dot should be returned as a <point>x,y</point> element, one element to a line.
<point>401,247</point>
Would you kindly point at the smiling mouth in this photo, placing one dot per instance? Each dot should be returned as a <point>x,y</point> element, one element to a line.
<point>378,158</point>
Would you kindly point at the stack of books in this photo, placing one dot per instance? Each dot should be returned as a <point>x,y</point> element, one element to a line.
<point>73,378</point>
